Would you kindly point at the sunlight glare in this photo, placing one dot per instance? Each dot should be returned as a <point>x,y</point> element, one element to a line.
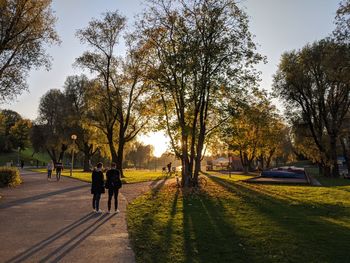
<point>159,141</point>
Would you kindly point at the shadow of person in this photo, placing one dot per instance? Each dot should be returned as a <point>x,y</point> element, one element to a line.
<point>68,246</point>
<point>44,243</point>
<point>41,196</point>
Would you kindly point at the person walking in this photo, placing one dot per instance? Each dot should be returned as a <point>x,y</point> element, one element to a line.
<point>49,169</point>
<point>59,168</point>
<point>97,187</point>
<point>169,167</point>
<point>113,184</point>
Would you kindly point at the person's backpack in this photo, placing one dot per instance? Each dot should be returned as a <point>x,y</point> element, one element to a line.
<point>118,183</point>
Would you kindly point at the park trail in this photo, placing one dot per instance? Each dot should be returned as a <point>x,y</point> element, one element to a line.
<point>48,221</point>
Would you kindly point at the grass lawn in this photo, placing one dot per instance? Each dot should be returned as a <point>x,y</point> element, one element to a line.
<point>25,155</point>
<point>233,221</point>
<point>131,176</point>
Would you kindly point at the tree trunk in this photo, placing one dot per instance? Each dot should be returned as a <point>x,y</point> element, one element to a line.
<point>345,153</point>
<point>52,155</point>
<point>112,147</point>
<point>198,158</point>
<point>324,170</point>
<point>119,161</point>
<point>245,169</point>
<point>334,157</point>
<point>242,156</point>
<point>86,163</point>
<point>64,147</point>
<point>262,162</point>
<point>246,165</point>
<point>197,166</point>
<point>87,157</point>
<point>269,158</point>
<point>186,169</point>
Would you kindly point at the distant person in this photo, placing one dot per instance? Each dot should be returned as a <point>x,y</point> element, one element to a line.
<point>169,167</point>
<point>50,167</point>
<point>113,184</point>
<point>22,164</point>
<point>59,169</point>
<point>97,187</point>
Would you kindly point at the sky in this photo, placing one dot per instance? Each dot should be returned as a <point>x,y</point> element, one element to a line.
<point>278,26</point>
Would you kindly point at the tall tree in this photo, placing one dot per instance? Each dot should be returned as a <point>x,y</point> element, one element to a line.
<point>140,154</point>
<point>314,83</point>
<point>199,52</point>
<point>51,125</point>
<point>255,132</point>
<point>26,26</point>
<point>20,134</point>
<point>304,145</point>
<point>9,119</point>
<point>342,22</point>
<point>77,108</point>
<point>119,107</point>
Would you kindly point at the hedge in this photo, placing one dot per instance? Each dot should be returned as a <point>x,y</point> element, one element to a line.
<point>9,176</point>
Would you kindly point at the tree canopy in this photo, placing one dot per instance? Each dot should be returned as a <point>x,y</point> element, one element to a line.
<point>342,22</point>
<point>314,83</point>
<point>121,106</point>
<point>199,54</point>
<point>26,26</point>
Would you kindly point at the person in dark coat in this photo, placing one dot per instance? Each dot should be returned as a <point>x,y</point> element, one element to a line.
<point>97,187</point>
<point>59,169</point>
<point>169,167</point>
<point>113,184</point>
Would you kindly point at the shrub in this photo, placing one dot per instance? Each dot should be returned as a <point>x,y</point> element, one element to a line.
<point>9,176</point>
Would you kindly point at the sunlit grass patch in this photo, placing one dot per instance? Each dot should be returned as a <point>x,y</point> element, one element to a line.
<point>234,221</point>
<point>131,176</point>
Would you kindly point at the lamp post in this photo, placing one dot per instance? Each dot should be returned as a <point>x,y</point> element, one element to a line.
<point>18,149</point>
<point>73,137</point>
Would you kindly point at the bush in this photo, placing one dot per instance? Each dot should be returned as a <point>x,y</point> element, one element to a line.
<point>9,176</point>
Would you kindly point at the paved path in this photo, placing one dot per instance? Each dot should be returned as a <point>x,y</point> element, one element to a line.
<point>49,221</point>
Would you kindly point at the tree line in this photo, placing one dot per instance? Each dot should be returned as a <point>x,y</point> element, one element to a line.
<point>189,69</point>
<point>314,82</point>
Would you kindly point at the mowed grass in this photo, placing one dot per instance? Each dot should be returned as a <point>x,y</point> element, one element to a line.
<point>26,156</point>
<point>131,176</point>
<point>234,221</point>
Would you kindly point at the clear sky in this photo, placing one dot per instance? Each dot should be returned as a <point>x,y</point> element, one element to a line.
<point>278,26</point>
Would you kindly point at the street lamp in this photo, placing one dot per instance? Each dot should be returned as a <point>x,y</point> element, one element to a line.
<point>73,137</point>
<point>19,148</point>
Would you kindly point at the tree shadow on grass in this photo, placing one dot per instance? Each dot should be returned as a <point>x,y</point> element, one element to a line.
<point>332,182</point>
<point>209,236</point>
<point>157,186</point>
<point>146,222</point>
<point>298,232</point>
<point>168,233</point>
<point>158,235</point>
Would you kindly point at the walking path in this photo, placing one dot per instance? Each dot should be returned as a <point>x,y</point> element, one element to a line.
<point>49,221</point>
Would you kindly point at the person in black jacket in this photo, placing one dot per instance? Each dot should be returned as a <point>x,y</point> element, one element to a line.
<point>97,187</point>
<point>113,184</point>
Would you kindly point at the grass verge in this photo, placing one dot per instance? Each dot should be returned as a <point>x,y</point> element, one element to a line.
<point>233,221</point>
<point>131,176</point>
<point>26,156</point>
